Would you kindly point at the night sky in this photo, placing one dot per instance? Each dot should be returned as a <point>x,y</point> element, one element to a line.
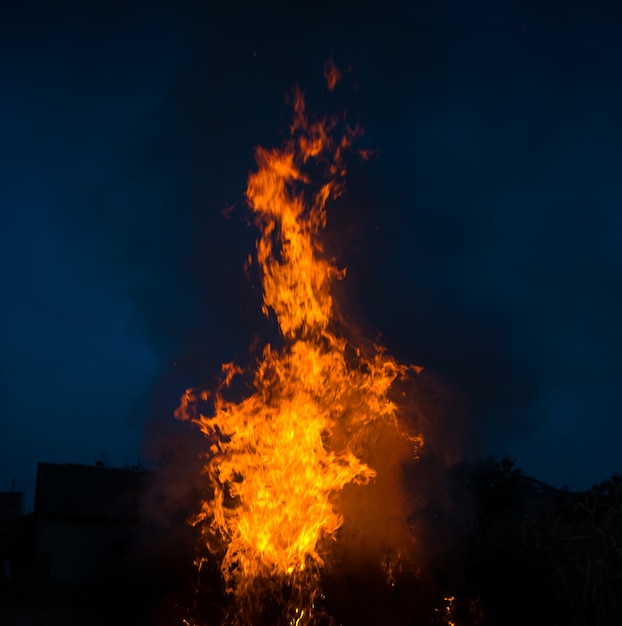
<point>482,240</point>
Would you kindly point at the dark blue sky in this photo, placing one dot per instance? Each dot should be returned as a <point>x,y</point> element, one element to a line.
<point>483,241</point>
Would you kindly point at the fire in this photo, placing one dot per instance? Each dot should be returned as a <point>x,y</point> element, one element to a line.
<point>331,75</point>
<point>279,459</point>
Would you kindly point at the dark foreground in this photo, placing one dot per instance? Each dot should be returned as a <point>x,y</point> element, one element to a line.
<point>528,554</point>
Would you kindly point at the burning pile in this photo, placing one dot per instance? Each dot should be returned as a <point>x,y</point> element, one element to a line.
<point>279,460</point>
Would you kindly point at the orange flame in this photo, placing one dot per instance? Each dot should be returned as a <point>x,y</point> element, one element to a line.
<point>279,459</point>
<point>331,74</point>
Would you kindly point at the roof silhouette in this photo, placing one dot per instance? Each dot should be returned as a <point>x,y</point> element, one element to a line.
<point>88,491</point>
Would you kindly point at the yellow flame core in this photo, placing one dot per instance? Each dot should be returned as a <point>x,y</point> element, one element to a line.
<point>280,457</point>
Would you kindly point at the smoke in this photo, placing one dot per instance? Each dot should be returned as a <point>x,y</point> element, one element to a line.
<point>399,551</point>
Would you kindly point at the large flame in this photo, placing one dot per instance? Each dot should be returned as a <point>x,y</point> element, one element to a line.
<point>279,459</point>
